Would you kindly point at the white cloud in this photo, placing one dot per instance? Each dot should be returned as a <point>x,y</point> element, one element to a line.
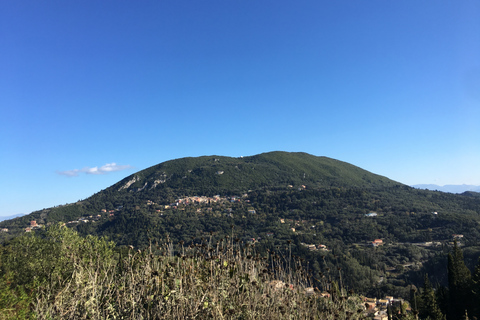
<point>93,170</point>
<point>109,167</point>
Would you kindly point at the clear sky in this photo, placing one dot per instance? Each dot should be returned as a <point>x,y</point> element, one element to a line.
<point>93,91</point>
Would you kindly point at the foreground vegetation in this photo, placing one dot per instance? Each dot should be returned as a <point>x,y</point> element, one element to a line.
<point>61,275</point>
<point>57,274</point>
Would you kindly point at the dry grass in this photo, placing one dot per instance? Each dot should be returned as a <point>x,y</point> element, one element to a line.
<point>226,280</point>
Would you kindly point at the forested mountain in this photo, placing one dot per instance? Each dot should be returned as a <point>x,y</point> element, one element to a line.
<point>210,175</point>
<point>383,235</point>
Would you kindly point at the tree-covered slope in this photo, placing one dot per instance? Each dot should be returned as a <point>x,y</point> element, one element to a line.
<point>217,174</point>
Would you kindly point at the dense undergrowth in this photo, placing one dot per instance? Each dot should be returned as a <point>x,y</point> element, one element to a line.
<point>61,275</point>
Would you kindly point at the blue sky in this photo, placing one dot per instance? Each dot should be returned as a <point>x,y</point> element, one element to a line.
<point>93,91</point>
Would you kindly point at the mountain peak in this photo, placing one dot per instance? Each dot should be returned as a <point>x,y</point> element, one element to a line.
<point>214,174</point>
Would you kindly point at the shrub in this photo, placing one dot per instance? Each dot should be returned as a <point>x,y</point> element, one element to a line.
<point>85,278</point>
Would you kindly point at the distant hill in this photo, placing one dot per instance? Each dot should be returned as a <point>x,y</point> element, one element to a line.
<point>448,188</point>
<point>471,194</point>
<point>3,218</point>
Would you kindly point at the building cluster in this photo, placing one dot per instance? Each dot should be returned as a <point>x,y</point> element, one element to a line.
<point>111,213</point>
<point>86,219</point>
<point>377,308</point>
<point>302,187</point>
<point>33,225</point>
<point>315,247</point>
<point>201,200</point>
<point>377,242</point>
<point>297,223</point>
<point>205,200</point>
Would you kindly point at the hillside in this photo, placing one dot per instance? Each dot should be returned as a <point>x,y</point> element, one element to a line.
<point>326,211</point>
<point>216,174</point>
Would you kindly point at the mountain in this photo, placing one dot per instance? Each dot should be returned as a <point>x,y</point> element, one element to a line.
<point>11,217</point>
<point>213,174</point>
<point>452,188</point>
<point>381,233</point>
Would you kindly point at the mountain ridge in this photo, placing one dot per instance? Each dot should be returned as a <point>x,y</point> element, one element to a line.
<point>9,217</point>
<point>277,167</point>
<point>451,188</point>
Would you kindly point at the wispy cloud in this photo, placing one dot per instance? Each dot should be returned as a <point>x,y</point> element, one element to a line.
<point>69,173</point>
<point>107,168</point>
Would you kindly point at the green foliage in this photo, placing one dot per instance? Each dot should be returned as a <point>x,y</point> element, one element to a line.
<point>14,302</point>
<point>48,260</point>
<point>458,284</point>
<point>32,258</point>
<point>429,308</point>
<point>476,291</point>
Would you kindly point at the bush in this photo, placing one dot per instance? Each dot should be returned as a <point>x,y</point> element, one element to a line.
<point>85,278</point>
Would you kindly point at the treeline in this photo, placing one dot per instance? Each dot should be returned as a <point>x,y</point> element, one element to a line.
<point>459,300</point>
